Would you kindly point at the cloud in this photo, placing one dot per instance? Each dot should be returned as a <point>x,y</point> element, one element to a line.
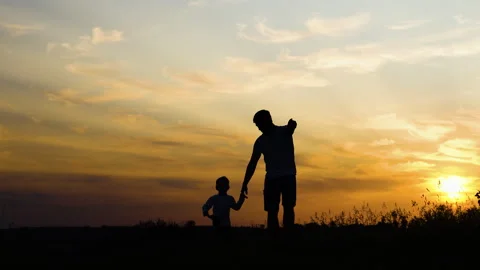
<point>458,34</point>
<point>79,129</point>
<point>382,142</point>
<point>53,210</point>
<point>127,143</point>
<point>206,131</point>
<point>414,166</point>
<point>178,183</point>
<point>3,132</point>
<point>115,85</point>
<point>203,3</point>
<point>307,160</point>
<point>67,96</point>
<point>405,25</point>
<point>453,151</point>
<point>315,26</point>
<point>336,58</point>
<point>461,41</point>
<point>249,66</point>
<point>5,154</point>
<point>17,30</point>
<point>136,121</point>
<point>429,130</point>
<point>267,75</point>
<point>70,96</point>
<point>50,46</point>
<point>370,57</point>
<point>387,122</point>
<point>197,3</point>
<point>348,185</point>
<point>111,76</point>
<point>169,143</point>
<point>462,20</point>
<point>432,130</point>
<point>121,135</point>
<point>90,183</point>
<point>248,76</point>
<point>218,142</point>
<point>47,199</point>
<point>81,48</point>
<point>13,121</point>
<point>91,154</point>
<point>459,148</point>
<point>339,26</point>
<point>86,43</point>
<point>105,70</point>
<point>200,79</point>
<point>4,104</point>
<point>12,180</point>
<point>100,36</point>
<point>469,119</point>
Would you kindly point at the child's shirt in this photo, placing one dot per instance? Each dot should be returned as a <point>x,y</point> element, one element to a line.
<point>221,208</point>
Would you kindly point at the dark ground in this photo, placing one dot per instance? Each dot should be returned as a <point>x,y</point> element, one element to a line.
<point>340,248</point>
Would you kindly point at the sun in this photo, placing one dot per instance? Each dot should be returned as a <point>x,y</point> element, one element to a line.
<point>452,186</point>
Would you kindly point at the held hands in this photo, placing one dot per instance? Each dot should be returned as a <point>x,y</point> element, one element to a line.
<point>243,196</point>
<point>244,191</point>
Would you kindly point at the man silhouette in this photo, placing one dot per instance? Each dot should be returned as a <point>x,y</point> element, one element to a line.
<point>276,145</point>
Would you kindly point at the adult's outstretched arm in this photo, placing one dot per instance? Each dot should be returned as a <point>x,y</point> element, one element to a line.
<point>251,167</point>
<point>292,125</point>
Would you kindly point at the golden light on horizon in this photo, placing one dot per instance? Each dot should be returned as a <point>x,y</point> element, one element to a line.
<point>452,186</point>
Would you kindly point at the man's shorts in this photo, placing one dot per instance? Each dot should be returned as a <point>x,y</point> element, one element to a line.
<point>284,188</point>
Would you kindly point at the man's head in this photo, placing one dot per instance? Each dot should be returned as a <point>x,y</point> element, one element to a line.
<point>222,184</point>
<point>263,120</point>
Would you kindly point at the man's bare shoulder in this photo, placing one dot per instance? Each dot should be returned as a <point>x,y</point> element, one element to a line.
<point>260,141</point>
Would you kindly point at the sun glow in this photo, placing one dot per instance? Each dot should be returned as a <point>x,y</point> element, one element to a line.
<point>453,186</point>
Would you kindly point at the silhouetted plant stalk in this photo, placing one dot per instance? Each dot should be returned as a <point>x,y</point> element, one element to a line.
<point>425,214</point>
<point>159,223</point>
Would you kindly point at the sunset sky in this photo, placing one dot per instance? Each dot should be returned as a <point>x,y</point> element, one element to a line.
<point>113,111</point>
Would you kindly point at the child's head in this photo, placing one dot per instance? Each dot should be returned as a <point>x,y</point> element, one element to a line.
<point>222,184</point>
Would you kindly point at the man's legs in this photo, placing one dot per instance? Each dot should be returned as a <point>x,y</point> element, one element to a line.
<point>288,217</point>
<point>272,219</point>
<point>271,202</point>
<point>289,200</point>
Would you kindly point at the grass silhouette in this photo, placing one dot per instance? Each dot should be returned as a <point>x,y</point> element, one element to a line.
<point>424,214</point>
<point>431,234</point>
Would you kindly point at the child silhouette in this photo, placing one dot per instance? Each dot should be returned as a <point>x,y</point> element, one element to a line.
<point>222,203</point>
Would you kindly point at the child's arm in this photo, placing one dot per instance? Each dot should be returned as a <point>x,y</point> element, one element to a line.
<point>237,205</point>
<point>207,206</point>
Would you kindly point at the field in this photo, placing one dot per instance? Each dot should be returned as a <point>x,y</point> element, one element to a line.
<point>434,236</point>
